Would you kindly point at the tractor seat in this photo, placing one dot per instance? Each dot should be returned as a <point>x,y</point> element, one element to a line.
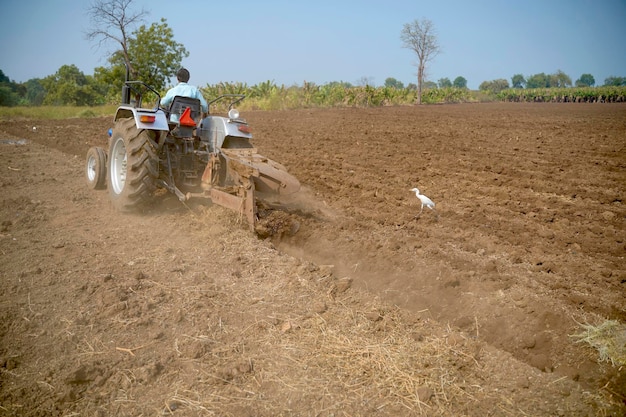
<point>180,104</point>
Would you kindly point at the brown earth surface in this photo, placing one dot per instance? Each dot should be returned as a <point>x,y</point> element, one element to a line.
<point>344,303</point>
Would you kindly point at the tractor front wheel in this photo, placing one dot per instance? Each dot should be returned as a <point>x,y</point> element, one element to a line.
<point>132,166</point>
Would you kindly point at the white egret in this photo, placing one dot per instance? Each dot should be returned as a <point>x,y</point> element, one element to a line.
<point>427,202</point>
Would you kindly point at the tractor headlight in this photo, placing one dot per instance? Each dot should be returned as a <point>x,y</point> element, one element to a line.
<point>233,114</point>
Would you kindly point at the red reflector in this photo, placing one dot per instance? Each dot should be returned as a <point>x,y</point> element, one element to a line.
<point>147,119</point>
<point>244,128</point>
<point>185,119</point>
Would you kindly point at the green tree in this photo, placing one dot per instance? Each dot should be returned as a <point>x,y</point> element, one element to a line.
<point>444,82</point>
<point>559,79</point>
<point>586,80</point>
<point>4,78</point>
<point>8,94</point>
<point>156,56</point>
<point>518,81</point>
<point>69,86</point>
<point>540,80</point>
<point>494,86</point>
<point>35,92</point>
<point>429,85</point>
<point>420,37</point>
<point>460,82</point>
<point>615,81</point>
<point>393,83</point>
<point>110,81</point>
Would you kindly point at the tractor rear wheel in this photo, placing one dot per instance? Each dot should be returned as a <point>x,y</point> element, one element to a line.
<point>132,166</point>
<point>96,168</point>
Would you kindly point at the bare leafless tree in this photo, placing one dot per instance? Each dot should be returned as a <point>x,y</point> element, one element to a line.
<point>363,81</point>
<point>420,37</point>
<point>113,20</point>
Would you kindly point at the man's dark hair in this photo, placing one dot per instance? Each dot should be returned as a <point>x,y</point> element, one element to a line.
<point>182,75</point>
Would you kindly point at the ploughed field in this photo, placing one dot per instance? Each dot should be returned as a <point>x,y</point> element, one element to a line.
<point>345,302</point>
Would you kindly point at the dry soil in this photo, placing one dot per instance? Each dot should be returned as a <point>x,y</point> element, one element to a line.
<point>345,301</point>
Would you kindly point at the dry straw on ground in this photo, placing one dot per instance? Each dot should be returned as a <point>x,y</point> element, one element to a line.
<point>608,338</point>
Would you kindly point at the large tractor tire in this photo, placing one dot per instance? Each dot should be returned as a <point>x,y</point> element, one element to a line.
<point>132,166</point>
<point>96,168</point>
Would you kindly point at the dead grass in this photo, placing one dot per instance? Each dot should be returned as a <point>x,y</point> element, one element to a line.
<point>608,338</point>
<point>304,338</point>
<point>327,346</point>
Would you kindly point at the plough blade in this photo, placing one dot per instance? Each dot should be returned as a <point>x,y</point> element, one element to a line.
<point>246,173</point>
<point>244,205</point>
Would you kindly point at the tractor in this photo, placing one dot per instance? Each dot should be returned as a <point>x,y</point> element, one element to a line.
<point>181,150</point>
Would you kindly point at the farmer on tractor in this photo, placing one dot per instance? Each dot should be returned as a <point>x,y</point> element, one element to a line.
<point>185,90</point>
<point>196,156</point>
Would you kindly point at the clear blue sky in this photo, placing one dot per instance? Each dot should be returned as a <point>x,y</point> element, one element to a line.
<point>290,41</point>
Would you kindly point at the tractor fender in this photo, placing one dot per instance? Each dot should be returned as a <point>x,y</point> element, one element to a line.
<point>215,129</point>
<point>159,123</point>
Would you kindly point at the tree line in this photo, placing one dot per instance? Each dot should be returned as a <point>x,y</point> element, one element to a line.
<point>557,80</point>
<point>71,87</point>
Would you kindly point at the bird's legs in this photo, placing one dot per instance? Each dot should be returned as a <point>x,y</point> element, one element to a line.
<point>419,214</point>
